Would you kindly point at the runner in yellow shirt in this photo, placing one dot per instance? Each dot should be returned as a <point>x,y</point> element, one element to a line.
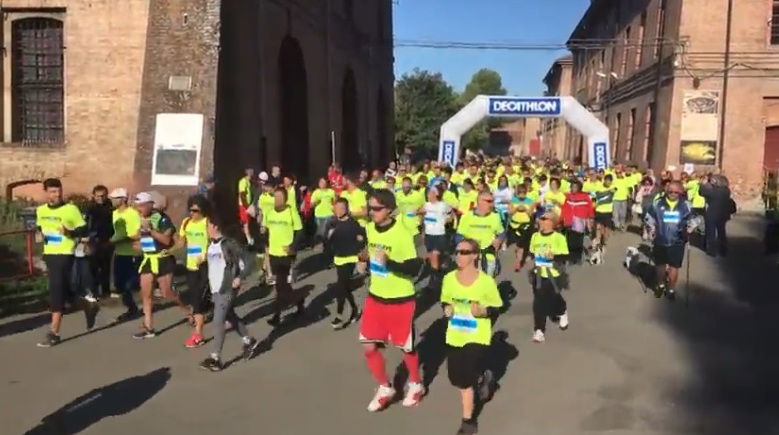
<point>547,247</point>
<point>284,228</point>
<point>59,224</point>
<point>193,236</point>
<point>469,297</point>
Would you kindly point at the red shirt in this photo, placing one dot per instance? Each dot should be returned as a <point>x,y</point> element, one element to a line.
<point>577,204</point>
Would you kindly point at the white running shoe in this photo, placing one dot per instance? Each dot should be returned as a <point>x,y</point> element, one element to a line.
<point>538,336</point>
<point>382,399</point>
<point>91,299</point>
<point>563,322</point>
<point>414,393</point>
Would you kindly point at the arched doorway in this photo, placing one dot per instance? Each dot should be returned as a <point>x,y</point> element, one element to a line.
<point>350,149</point>
<point>293,100</point>
<point>381,129</point>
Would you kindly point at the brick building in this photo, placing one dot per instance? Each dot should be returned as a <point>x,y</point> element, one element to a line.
<point>555,136</point>
<point>262,82</point>
<point>690,81</point>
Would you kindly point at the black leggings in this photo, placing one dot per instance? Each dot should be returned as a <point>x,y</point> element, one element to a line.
<point>547,302</point>
<point>343,287</point>
<point>280,267</point>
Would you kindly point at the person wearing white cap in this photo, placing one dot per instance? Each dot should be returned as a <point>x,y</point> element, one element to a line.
<point>156,238</point>
<point>127,226</point>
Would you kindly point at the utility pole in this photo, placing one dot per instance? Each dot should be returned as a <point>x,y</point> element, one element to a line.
<point>725,80</point>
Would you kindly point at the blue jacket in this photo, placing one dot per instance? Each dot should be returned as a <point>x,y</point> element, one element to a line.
<point>670,225</point>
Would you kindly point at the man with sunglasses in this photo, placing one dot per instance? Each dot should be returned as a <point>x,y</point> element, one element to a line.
<point>669,221</point>
<point>484,226</point>
<point>388,314</point>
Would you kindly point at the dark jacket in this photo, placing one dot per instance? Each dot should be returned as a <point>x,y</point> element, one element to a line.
<point>719,205</point>
<point>670,224</point>
<point>345,238</point>
<point>99,218</point>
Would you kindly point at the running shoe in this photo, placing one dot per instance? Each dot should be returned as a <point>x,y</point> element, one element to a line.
<point>670,294</point>
<point>90,298</point>
<point>144,333</point>
<point>211,364</point>
<point>563,322</point>
<point>337,323</point>
<point>116,295</point>
<point>195,340</point>
<point>271,280</point>
<point>486,386</point>
<point>51,339</point>
<point>659,290</point>
<point>382,399</point>
<point>250,349</point>
<point>468,428</point>
<point>538,336</point>
<point>415,391</point>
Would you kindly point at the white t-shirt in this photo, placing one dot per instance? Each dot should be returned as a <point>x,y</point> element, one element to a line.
<point>502,198</point>
<point>435,218</point>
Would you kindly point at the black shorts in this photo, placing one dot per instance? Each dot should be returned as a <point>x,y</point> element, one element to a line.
<point>281,266</point>
<point>167,265</point>
<point>520,236</point>
<point>436,243</point>
<point>604,219</point>
<point>199,294</point>
<point>668,255</point>
<point>466,364</point>
<point>59,269</point>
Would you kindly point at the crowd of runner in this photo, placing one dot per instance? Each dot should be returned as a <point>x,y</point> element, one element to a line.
<point>547,214</point>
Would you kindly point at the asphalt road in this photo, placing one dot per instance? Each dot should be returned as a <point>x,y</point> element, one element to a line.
<point>629,364</point>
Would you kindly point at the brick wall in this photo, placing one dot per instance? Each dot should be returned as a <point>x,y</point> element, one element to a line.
<point>104,55</point>
<point>182,40</point>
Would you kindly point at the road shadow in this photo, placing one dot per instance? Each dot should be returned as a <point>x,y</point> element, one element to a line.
<point>109,401</point>
<point>23,325</point>
<point>311,264</point>
<point>499,356</point>
<point>315,312</point>
<point>730,340</point>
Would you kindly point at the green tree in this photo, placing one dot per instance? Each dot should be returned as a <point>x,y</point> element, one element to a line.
<point>483,82</point>
<point>423,101</point>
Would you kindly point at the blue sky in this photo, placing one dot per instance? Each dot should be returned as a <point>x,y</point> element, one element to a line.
<point>544,21</point>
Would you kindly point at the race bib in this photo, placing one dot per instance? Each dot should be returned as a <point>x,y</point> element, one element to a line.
<point>148,245</point>
<point>378,270</point>
<point>53,239</point>
<point>671,217</point>
<point>463,323</point>
<point>193,251</point>
<point>543,262</point>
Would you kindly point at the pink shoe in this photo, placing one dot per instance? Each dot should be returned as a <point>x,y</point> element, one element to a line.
<point>196,340</point>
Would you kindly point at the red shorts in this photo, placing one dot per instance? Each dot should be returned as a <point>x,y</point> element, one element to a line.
<point>388,323</point>
<point>243,214</point>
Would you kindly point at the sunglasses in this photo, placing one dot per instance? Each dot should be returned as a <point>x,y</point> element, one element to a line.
<point>487,200</point>
<point>376,208</point>
<point>465,252</point>
<point>544,218</point>
<point>674,192</point>
<point>194,210</point>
